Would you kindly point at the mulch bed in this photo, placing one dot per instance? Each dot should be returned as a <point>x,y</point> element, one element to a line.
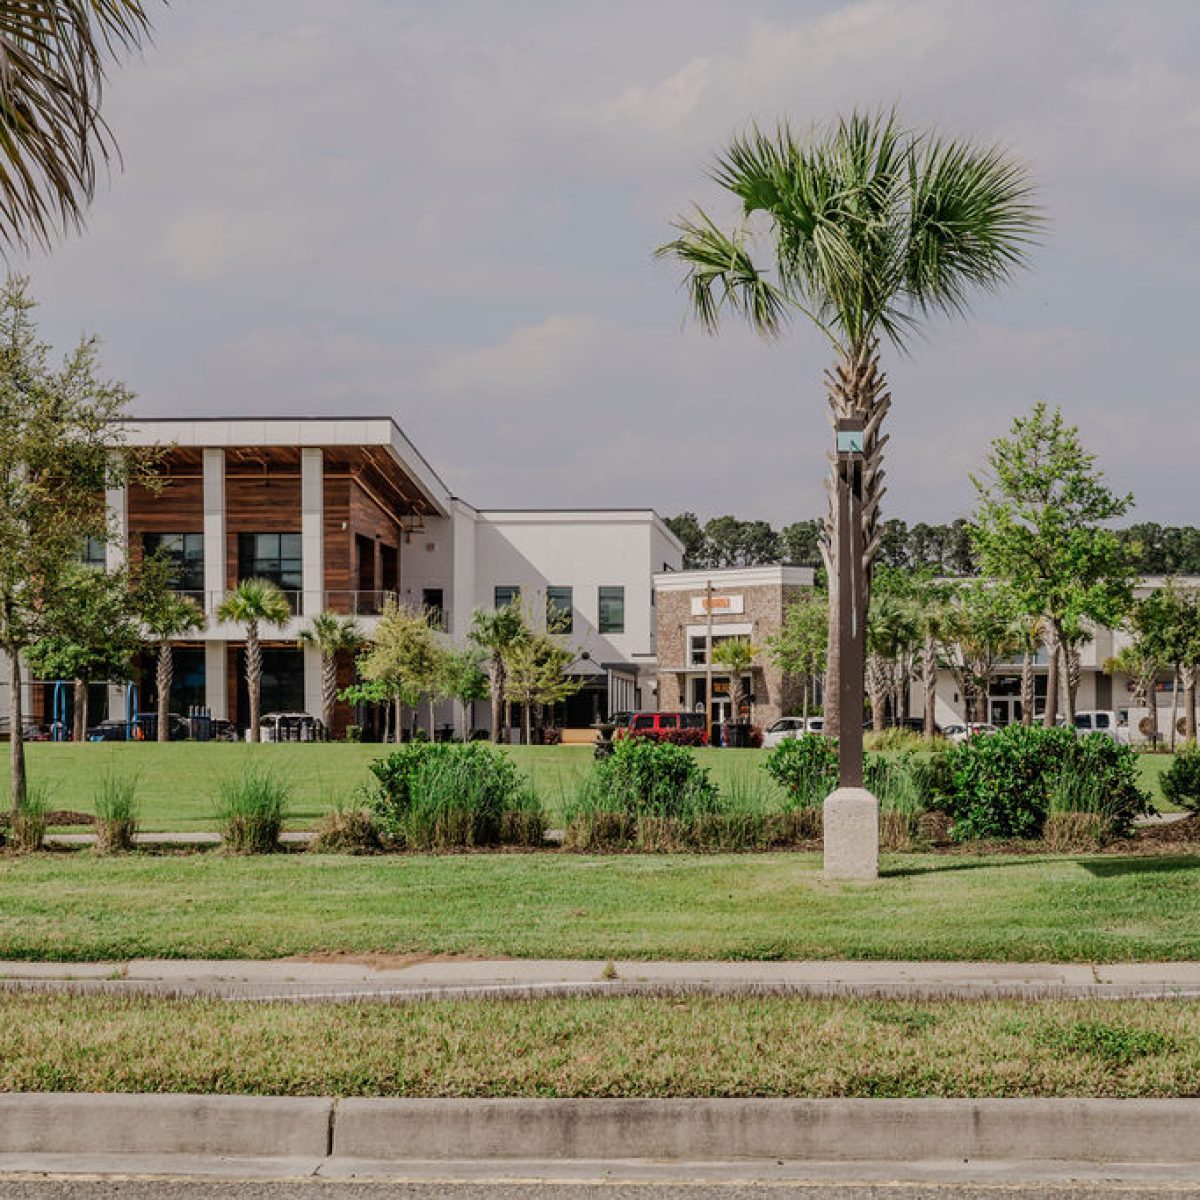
<point>57,816</point>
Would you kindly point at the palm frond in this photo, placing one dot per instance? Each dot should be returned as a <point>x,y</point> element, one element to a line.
<point>53,139</point>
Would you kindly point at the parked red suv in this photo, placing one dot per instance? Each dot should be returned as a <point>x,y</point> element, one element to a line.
<point>666,725</point>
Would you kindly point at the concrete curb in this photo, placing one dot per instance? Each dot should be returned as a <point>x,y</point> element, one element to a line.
<point>325,1131</point>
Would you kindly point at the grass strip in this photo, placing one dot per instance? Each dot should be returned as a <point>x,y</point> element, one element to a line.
<point>693,1046</point>
<point>1075,908</point>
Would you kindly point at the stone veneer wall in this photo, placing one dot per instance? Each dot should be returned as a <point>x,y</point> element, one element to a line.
<point>764,607</point>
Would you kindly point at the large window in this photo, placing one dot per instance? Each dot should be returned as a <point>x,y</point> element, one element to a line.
<point>273,556</point>
<point>184,555</point>
<point>612,610</point>
<point>560,610</point>
<point>93,553</point>
<point>506,595</point>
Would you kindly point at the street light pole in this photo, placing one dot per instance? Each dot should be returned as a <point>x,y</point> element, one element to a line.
<point>851,606</point>
<point>851,814</point>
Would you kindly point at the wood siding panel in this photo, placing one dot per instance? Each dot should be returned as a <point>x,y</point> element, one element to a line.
<point>258,504</point>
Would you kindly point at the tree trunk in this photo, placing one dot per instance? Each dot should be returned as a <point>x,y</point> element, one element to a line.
<point>163,675</point>
<point>16,741</point>
<point>1071,668</point>
<point>1189,703</point>
<point>1151,701</point>
<point>1174,706</point>
<point>329,690</point>
<point>929,682</point>
<point>876,688</point>
<point>79,695</point>
<point>855,387</point>
<point>253,677</point>
<point>462,718</point>
<point>496,687</point>
<point>1051,713</point>
<point>1028,690</point>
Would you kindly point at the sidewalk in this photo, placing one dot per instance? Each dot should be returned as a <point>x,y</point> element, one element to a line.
<point>385,979</point>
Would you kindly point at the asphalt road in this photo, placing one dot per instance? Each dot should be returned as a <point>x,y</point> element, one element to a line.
<point>317,1189</point>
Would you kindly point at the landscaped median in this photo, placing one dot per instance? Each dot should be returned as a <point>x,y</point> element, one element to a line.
<point>619,1046</point>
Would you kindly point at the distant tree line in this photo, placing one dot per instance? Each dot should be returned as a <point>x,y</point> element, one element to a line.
<point>726,541</point>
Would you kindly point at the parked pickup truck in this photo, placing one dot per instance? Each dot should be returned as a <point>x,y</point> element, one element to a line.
<point>1101,720</point>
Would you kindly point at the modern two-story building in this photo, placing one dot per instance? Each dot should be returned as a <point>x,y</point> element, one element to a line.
<point>344,514</point>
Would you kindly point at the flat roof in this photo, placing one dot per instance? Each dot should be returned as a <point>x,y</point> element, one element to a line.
<point>724,578</point>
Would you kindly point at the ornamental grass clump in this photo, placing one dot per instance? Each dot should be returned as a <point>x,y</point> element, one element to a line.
<point>27,830</point>
<point>117,812</point>
<point>348,827</point>
<point>444,796</point>
<point>251,808</point>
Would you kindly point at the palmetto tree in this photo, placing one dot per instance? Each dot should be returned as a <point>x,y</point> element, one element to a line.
<point>870,228</point>
<point>168,616</point>
<point>253,603</point>
<point>54,55</point>
<point>331,635</point>
<point>498,632</point>
<point>738,657</point>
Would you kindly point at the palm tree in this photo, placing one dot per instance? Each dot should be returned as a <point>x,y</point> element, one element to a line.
<point>54,55</point>
<point>252,603</point>
<point>331,635</point>
<point>497,632</point>
<point>872,227</point>
<point>169,616</point>
<point>738,657</point>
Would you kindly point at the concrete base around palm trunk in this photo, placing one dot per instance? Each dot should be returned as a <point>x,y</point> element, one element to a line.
<point>851,834</point>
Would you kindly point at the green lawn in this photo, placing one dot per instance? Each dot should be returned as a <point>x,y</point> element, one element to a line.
<point>684,1046</point>
<point>178,780</point>
<point>79,906</point>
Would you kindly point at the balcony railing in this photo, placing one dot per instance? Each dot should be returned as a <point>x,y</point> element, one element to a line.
<point>308,604</point>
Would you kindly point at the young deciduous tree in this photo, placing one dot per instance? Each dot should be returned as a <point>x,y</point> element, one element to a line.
<point>980,629</point>
<point>62,442</point>
<point>404,656</point>
<point>91,634</point>
<point>799,647</point>
<point>464,678</point>
<point>1039,529</point>
<point>536,673</point>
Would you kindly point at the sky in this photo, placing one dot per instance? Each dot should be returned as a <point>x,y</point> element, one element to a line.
<point>446,211</point>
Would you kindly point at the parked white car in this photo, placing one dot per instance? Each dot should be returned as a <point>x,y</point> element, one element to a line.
<point>960,733</point>
<point>791,727</point>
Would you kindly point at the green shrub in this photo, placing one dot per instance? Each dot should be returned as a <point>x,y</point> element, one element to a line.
<point>1005,784</point>
<point>117,810</point>
<point>806,767</point>
<point>439,795</point>
<point>1181,780</point>
<point>896,740</point>
<point>251,808</point>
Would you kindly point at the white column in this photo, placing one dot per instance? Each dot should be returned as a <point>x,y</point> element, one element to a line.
<point>214,528</point>
<point>312,533</point>
<point>116,504</point>
<point>216,695</point>
<point>116,549</point>
<point>312,681</point>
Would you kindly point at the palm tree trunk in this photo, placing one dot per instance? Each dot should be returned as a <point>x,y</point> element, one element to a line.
<point>79,710</point>
<point>855,387</point>
<point>16,738</point>
<point>329,690</point>
<point>929,682</point>
<point>875,687</point>
<point>1028,693</point>
<point>1052,644</point>
<point>253,677</point>
<point>163,675</point>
